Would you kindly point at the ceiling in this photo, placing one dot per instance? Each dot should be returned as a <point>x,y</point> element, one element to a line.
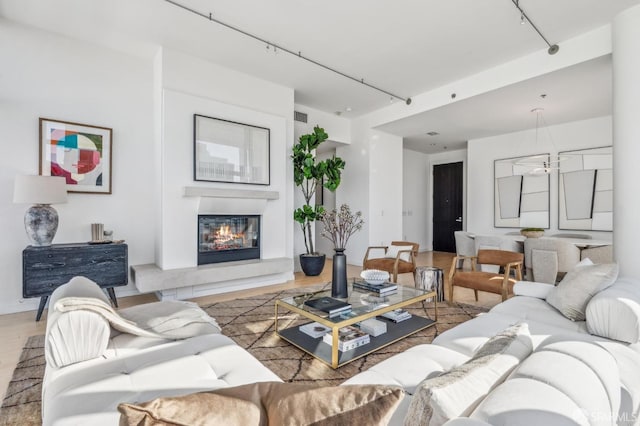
<point>406,47</point>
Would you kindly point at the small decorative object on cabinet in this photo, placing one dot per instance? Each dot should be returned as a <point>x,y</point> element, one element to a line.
<point>46,268</point>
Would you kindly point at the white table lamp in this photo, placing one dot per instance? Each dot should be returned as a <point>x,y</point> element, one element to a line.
<point>40,220</point>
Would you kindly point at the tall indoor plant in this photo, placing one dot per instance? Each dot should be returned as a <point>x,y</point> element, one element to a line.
<point>308,175</point>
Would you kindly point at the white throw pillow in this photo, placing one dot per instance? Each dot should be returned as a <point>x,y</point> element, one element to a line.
<point>576,289</point>
<point>615,312</point>
<point>392,252</point>
<point>457,392</point>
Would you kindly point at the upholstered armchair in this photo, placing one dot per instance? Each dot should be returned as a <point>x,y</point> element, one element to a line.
<point>398,258</point>
<point>498,283</point>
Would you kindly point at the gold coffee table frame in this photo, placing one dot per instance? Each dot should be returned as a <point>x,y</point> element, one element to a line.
<point>365,305</point>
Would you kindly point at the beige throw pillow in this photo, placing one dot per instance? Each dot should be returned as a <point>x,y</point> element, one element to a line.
<point>270,403</point>
<point>576,289</point>
<point>457,392</point>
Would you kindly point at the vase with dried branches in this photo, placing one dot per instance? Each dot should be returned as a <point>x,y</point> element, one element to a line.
<point>339,225</point>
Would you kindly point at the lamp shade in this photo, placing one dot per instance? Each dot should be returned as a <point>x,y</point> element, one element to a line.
<point>30,189</point>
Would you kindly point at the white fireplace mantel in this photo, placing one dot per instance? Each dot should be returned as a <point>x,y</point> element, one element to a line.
<point>230,201</point>
<point>200,191</point>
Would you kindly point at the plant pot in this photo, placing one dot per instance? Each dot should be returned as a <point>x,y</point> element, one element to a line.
<point>312,264</point>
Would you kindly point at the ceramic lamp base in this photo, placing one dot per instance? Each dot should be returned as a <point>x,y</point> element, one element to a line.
<point>41,224</point>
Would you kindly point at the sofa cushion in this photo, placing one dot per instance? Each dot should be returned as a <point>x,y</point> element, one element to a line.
<point>271,403</point>
<point>410,367</point>
<point>573,293</point>
<point>458,391</point>
<point>532,309</point>
<point>532,289</point>
<point>563,382</point>
<point>615,312</point>
<point>89,392</point>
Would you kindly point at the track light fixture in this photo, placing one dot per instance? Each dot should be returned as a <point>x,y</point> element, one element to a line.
<point>553,48</point>
<point>298,54</point>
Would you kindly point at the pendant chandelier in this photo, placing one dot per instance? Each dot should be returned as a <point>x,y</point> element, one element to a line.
<point>542,163</point>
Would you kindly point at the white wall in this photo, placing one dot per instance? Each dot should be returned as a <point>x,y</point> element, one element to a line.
<point>338,128</point>
<point>372,183</point>
<point>590,133</point>
<point>415,197</point>
<point>46,75</point>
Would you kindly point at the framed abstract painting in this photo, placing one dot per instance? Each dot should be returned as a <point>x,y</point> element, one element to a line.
<point>521,198</point>
<point>81,153</point>
<point>585,189</point>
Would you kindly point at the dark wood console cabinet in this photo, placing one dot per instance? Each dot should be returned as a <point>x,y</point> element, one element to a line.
<point>46,268</point>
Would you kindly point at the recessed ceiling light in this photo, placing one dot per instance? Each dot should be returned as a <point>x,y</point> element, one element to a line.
<point>348,109</point>
<point>433,133</point>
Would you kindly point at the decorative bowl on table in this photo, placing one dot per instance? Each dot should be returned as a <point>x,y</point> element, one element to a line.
<point>532,232</point>
<point>374,276</point>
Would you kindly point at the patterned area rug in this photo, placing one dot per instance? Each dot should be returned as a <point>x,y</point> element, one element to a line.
<point>250,323</point>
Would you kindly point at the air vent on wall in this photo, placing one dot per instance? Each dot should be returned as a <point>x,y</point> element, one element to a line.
<point>300,116</point>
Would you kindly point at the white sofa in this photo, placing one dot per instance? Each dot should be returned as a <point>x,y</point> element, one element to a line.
<point>571,378</point>
<point>92,368</point>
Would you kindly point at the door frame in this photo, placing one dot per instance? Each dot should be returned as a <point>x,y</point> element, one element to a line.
<point>459,156</point>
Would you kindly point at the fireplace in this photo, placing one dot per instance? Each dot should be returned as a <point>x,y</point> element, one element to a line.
<point>225,238</point>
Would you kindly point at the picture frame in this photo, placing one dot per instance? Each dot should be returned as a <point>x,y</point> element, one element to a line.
<point>521,199</point>
<point>229,151</point>
<point>81,153</point>
<point>585,189</point>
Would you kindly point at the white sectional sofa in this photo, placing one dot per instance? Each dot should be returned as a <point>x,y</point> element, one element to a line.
<point>571,378</point>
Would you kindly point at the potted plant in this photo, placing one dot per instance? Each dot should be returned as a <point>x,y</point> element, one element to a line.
<point>308,174</point>
<point>339,226</point>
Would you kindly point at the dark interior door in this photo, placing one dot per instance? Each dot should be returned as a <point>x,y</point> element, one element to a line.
<point>447,205</point>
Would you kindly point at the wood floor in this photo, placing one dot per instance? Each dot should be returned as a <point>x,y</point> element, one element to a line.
<point>16,328</point>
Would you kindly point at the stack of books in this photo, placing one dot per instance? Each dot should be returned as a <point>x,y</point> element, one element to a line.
<point>314,329</point>
<point>329,305</point>
<point>382,289</point>
<point>397,315</point>
<point>349,338</point>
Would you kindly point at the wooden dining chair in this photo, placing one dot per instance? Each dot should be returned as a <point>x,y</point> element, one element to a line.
<point>498,283</point>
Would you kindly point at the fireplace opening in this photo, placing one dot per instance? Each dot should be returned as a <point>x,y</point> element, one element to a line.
<point>225,238</point>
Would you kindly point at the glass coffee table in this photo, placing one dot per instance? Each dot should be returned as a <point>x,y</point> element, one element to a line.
<point>364,305</point>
